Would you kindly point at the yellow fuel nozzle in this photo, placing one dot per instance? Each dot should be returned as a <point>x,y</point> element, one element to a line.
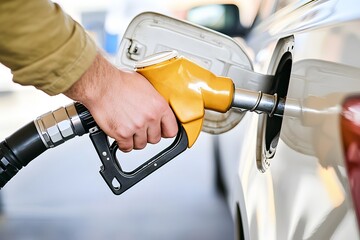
<point>188,88</point>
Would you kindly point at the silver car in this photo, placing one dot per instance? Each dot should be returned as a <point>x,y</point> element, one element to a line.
<point>290,177</point>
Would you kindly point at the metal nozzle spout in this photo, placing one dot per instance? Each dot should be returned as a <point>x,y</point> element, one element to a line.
<point>258,102</point>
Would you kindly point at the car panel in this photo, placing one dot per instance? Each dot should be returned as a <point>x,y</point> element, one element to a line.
<point>305,192</point>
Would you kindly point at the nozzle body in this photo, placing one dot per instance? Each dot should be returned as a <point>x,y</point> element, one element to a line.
<point>188,88</point>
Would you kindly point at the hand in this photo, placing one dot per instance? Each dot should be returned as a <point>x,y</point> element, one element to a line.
<point>125,105</point>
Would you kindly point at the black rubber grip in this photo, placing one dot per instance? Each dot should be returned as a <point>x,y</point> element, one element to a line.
<point>18,150</point>
<point>87,120</point>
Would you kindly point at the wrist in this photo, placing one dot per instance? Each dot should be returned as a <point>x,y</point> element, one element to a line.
<point>92,84</point>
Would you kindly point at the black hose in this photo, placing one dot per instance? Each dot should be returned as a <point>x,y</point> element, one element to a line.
<point>18,150</point>
<point>49,130</point>
<point>86,118</point>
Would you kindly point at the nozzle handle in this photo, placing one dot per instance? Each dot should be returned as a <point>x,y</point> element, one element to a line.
<point>119,180</point>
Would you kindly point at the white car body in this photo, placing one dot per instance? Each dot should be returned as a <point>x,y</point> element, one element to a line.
<point>304,194</point>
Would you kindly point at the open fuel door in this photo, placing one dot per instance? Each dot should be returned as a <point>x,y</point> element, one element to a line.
<point>150,33</point>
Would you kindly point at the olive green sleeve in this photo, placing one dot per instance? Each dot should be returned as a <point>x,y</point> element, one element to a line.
<point>42,45</point>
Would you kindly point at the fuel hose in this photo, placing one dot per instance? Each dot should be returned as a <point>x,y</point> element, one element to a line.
<point>47,131</point>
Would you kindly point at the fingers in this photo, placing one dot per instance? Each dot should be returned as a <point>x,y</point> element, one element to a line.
<point>128,108</point>
<point>136,135</point>
<point>125,140</point>
<point>153,133</point>
<point>169,127</point>
<point>140,140</point>
<point>126,145</point>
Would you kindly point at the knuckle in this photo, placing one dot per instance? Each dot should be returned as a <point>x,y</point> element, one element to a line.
<point>170,132</point>
<point>154,139</point>
<point>140,145</point>
<point>125,147</point>
<point>123,134</point>
<point>138,124</point>
<point>151,116</point>
<point>160,105</point>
